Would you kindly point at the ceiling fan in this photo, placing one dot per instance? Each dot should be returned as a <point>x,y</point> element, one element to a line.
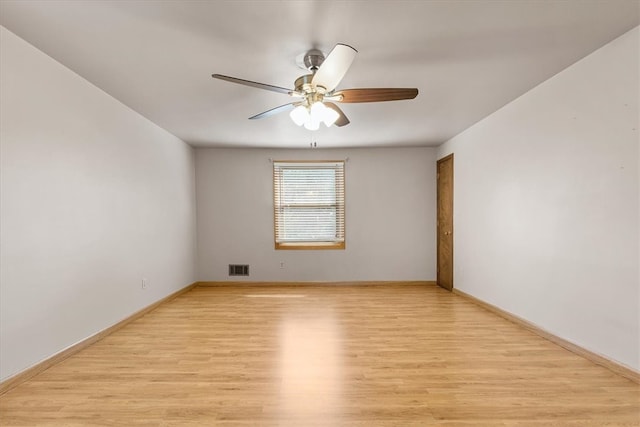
<point>317,94</point>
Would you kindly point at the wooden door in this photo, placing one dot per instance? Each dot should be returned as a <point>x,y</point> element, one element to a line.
<point>445,222</point>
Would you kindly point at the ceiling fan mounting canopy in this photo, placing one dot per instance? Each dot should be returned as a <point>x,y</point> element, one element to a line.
<point>317,91</point>
<point>313,59</point>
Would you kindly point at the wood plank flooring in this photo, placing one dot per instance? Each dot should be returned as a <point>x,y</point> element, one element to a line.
<point>323,356</point>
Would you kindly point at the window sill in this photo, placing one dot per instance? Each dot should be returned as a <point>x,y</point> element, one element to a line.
<point>310,245</point>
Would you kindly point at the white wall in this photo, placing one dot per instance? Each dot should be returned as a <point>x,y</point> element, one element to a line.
<point>94,197</point>
<point>546,204</point>
<point>390,216</point>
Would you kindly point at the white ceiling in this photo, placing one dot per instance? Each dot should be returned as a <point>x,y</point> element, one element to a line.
<point>467,58</point>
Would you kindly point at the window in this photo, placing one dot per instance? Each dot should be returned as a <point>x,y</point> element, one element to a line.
<point>309,204</point>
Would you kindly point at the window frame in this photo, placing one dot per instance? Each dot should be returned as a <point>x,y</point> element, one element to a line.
<point>311,245</point>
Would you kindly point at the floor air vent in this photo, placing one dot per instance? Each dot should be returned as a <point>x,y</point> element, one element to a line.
<point>238,270</point>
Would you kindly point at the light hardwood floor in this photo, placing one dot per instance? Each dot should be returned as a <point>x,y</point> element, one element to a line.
<point>387,355</point>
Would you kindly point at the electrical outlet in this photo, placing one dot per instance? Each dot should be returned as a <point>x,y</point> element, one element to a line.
<point>145,282</point>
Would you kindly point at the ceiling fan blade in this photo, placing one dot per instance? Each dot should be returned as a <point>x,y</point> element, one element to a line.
<point>342,120</point>
<point>334,67</point>
<point>376,94</point>
<point>273,111</point>
<point>253,84</point>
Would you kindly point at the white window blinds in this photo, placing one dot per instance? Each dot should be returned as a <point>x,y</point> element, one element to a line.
<point>309,204</point>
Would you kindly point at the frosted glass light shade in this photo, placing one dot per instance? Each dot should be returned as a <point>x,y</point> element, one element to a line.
<point>330,116</point>
<point>313,123</point>
<point>299,115</point>
<point>317,111</point>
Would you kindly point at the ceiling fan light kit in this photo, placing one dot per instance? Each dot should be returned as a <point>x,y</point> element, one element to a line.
<point>311,117</point>
<point>317,91</point>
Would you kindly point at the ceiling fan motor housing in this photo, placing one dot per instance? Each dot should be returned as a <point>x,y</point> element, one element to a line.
<point>303,85</point>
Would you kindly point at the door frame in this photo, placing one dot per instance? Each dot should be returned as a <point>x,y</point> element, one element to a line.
<point>438,191</point>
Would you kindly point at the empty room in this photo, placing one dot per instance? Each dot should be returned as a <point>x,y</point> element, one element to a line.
<point>319,213</point>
